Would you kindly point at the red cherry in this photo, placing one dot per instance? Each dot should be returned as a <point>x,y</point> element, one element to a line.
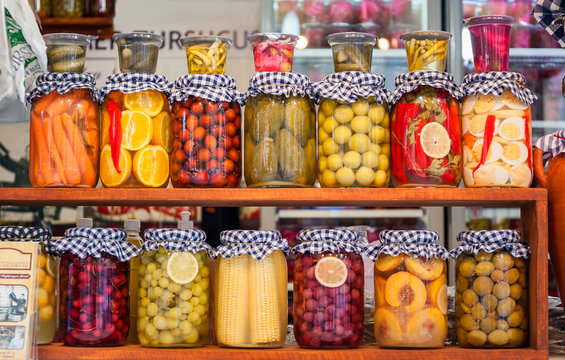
<point>191,147</point>
<point>233,155</point>
<point>204,155</point>
<point>211,108</point>
<point>187,103</point>
<point>228,143</point>
<point>225,105</point>
<point>199,133</point>
<point>228,166</point>
<point>182,114</point>
<point>196,108</point>
<point>191,122</point>
<point>230,114</point>
<point>236,142</point>
<point>237,122</point>
<point>233,181</point>
<point>235,106</point>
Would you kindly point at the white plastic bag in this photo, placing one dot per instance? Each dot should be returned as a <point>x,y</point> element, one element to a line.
<point>22,58</point>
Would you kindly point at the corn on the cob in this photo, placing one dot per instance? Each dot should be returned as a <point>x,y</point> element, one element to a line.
<point>282,282</point>
<point>263,301</point>
<point>231,309</point>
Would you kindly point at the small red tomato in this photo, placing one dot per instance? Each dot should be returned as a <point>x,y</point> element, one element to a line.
<point>228,143</point>
<point>191,122</point>
<point>184,176</point>
<point>206,121</point>
<point>233,155</point>
<point>230,114</point>
<point>183,113</point>
<point>179,156</point>
<point>210,142</point>
<point>220,119</point>
<point>184,135</point>
<point>191,147</point>
<point>237,108</point>
<point>201,177</point>
<point>225,105</point>
<point>196,108</point>
<point>176,107</point>
<point>236,142</point>
<point>218,131</point>
<point>219,153</point>
<point>232,181</point>
<point>188,102</point>
<point>198,133</point>
<point>175,169</point>
<point>211,108</point>
<point>218,179</point>
<point>212,165</point>
<point>204,155</point>
<point>237,122</point>
<point>228,166</point>
<point>177,126</point>
<point>176,144</point>
<point>230,129</point>
<point>191,164</point>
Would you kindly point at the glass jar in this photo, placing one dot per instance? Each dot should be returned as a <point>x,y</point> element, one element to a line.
<point>67,8</point>
<point>43,7</point>
<point>491,303</point>
<point>250,295</point>
<point>490,39</point>
<point>426,50</point>
<point>66,52</point>
<point>132,228</point>
<point>328,291</point>
<point>426,139</point>
<point>46,299</point>
<point>503,126</point>
<point>174,290</point>
<point>206,54</point>
<point>138,51</point>
<point>280,144</point>
<point>206,143</point>
<point>354,143</point>
<point>352,51</point>
<point>102,8</point>
<point>410,290</point>
<point>136,139</point>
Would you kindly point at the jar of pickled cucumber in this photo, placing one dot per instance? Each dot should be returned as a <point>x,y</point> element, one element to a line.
<point>250,289</point>
<point>136,140</point>
<point>353,130</point>
<point>206,127</point>
<point>491,303</point>
<point>426,130</point>
<point>93,283</point>
<point>497,130</point>
<point>47,273</point>
<point>67,8</point>
<point>328,289</point>
<point>174,288</point>
<point>280,131</point>
<point>410,289</point>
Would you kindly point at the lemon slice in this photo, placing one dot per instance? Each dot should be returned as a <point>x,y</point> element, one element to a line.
<point>149,101</point>
<point>182,267</point>
<point>51,266</point>
<point>442,299</point>
<point>137,129</point>
<point>331,272</point>
<point>435,140</point>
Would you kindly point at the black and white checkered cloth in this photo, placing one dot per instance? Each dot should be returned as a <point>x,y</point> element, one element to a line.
<point>129,83</point>
<point>551,145</point>
<point>410,81</point>
<point>317,241</point>
<point>550,14</point>
<point>177,240</point>
<point>208,86</point>
<point>349,86</point>
<point>495,82</point>
<point>63,83</point>
<point>489,241</point>
<point>278,83</point>
<point>255,243</point>
<point>415,243</point>
<point>94,242</point>
<point>24,233</point>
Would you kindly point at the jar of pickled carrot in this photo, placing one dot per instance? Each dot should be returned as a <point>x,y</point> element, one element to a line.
<point>64,140</point>
<point>136,131</point>
<point>497,130</point>
<point>426,130</point>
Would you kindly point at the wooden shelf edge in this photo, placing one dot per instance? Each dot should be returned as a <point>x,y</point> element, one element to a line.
<point>59,352</point>
<point>272,197</point>
<point>82,21</point>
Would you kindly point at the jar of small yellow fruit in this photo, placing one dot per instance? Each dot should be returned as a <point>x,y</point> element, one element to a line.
<point>410,289</point>
<point>174,287</point>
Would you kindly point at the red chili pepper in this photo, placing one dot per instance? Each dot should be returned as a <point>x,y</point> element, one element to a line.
<point>396,141</point>
<point>421,160</point>
<point>115,132</point>
<point>410,115</point>
<point>452,124</point>
<point>449,176</point>
<point>489,132</point>
<point>528,128</point>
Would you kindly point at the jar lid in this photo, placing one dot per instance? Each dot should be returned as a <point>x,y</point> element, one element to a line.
<point>178,240</point>
<point>63,82</point>
<point>129,83</point>
<point>495,82</point>
<point>255,243</point>
<point>415,243</point>
<point>316,241</point>
<point>213,87</point>
<point>349,86</point>
<point>24,233</point>
<point>278,83</point>
<point>410,81</point>
<point>489,241</point>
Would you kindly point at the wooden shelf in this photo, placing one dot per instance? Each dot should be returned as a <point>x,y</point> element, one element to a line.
<point>59,352</point>
<point>103,27</point>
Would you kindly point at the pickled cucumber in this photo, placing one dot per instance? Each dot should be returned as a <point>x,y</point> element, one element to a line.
<point>266,119</point>
<point>298,118</point>
<point>265,162</point>
<point>290,156</point>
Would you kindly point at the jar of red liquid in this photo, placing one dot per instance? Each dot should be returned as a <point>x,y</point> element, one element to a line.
<point>273,51</point>
<point>410,289</point>
<point>497,130</point>
<point>206,129</point>
<point>426,130</point>
<point>328,289</point>
<point>490,38</point>
<point>94,286</point>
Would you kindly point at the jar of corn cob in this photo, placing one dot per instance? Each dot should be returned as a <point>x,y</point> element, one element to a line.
<point>250,289</point>
<point>174,282</point>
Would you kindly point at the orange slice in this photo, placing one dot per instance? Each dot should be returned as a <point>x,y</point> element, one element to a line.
<point>162,131</point>
<point>331,272</point>
<point>108,174</point>
<point>137,130</point>
<point>435,140</point>
<point>149,101</point>
<point>151,166</point>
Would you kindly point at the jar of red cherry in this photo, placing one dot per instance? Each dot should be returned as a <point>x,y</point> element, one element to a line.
<point>94,286</point>
<point>206,132</point>
<point>328,289</point>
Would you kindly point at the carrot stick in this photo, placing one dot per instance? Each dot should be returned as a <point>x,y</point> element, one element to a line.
<point>66,152</point>
<point>40,154</point>
<point>57,107</point>
<point>34,164</point>
<point>44,101</point>
<point>84,161</point>
<point>48,131</point>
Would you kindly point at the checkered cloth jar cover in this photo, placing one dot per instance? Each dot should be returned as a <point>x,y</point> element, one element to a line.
<point>495,82</point>
<point>349,86</point>
<point>63,83</point>
<point>317,241</point>
<point>415,243</point>
<point>177,240</point>
<point>255,243</point>
<point>489,241</point>
<point>211,87</point>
